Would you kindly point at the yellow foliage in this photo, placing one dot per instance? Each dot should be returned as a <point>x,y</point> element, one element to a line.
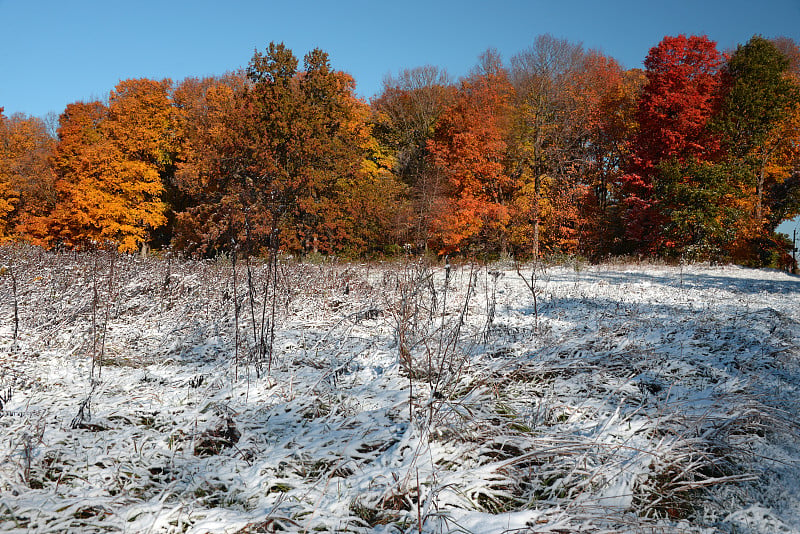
<point>110,162</point>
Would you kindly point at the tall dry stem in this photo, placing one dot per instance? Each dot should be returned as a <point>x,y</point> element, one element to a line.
<point>531,285</point>
<point>15,306</point>
<point>235,316</point>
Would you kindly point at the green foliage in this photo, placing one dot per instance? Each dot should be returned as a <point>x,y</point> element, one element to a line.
<point>759,96</point>
<point>698,201</point>
<point>760,123</point>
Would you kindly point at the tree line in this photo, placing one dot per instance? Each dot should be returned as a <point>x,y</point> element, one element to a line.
<point>559,150</point>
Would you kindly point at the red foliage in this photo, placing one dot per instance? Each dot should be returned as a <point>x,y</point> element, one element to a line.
<point>682,93</point>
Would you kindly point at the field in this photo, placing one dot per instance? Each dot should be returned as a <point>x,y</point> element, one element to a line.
<point>167,395</point>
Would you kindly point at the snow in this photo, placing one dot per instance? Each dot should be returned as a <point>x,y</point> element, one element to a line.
<point>399,397</point>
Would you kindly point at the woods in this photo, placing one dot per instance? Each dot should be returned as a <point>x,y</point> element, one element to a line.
<point>560,150</point>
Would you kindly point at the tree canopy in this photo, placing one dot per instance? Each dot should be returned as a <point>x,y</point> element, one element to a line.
<point>558,150</point>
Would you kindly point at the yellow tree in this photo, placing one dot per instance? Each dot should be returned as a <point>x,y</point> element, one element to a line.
<point>110,161</point>
<point>405,116</point>
<point>780,172</point>
<point>139,130</point>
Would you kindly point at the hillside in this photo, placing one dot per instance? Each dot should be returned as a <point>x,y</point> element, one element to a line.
<point>395,397</point>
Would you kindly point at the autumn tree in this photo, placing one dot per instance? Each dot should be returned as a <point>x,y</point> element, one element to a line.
<point>288,155</point>
<point>566,139</point>
<point>405,116</point>
<point>341,193</point>
<point>612,126</point>
<point>760,121</point>
<point>8,195</point>
<point>470,148</point>
<point>540,75</point>
<point>782,173</point>
<point>110,162</point>
<point>140,127</point>
<point>234,161</point>
<point>213,151</point>
<point>681,96</point>
<point>76,162</point>
<point>26,176</point>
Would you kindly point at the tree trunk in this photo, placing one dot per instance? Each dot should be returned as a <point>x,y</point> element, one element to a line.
<point>536,190</point>
<point>760,199</point>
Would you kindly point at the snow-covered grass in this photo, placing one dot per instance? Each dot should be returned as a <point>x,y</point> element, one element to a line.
<point>395,398</point>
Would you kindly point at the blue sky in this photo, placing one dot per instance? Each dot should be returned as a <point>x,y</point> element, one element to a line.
<point>56,52</point>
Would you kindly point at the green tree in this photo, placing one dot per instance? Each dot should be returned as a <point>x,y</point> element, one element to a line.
<point>287,156</point>
<point>760,121</point>
<point>700,205</point>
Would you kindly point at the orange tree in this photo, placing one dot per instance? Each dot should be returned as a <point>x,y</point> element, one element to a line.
<point>26,176</point>
<point>110,162</point>
<point>214,149</point>
<point>470,148</point>
<point>287,156</point>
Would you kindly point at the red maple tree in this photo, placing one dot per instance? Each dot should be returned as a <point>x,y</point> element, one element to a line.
<point>682,94</point>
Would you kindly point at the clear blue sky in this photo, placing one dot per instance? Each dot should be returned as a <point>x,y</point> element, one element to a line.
<point>53,52</point>
<point>56,52</point>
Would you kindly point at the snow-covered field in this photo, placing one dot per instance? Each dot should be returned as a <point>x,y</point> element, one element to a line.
<point>395,397</point>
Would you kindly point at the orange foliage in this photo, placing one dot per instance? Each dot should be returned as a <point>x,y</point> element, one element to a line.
<point>291,151</point>
<point>109,162</point>
<point>26,177</point>
<point>470,148</point>
<point>405,115</point>
<point>572,114</point>
<point>564,152</point>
